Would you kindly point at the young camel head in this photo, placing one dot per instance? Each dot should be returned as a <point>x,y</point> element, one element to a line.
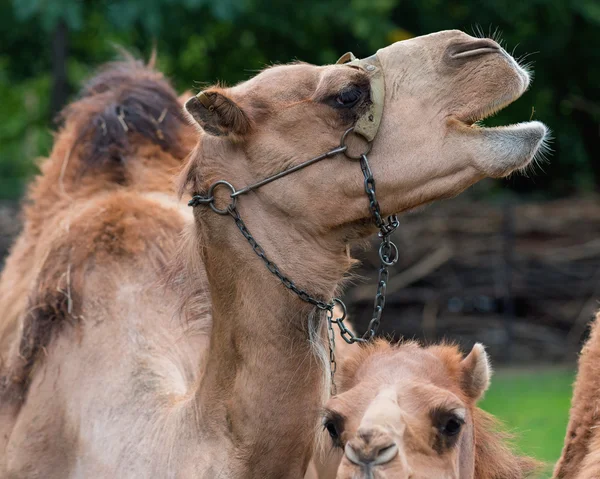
<point>427,146</point>
<point>410,412</point>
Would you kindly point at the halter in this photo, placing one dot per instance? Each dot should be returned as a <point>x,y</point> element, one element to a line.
<point>366,127</point>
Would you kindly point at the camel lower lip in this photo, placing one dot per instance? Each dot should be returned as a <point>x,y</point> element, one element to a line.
<point>500,150</point>
<point>522,126</point>
<point>507,128</point>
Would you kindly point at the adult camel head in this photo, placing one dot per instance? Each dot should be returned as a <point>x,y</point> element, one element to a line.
<point>428,145</point>
<point>410,412</point>
<point>426,94</point>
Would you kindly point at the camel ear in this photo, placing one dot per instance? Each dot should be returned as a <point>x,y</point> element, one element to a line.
<point>476,372</point>
<point>217,114</point>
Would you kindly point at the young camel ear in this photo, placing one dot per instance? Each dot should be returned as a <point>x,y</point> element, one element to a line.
<point>476,372</point>
<point>217,114</point>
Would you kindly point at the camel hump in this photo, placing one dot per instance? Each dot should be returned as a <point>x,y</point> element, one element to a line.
<point>125,106</point>
<point>114,156</point>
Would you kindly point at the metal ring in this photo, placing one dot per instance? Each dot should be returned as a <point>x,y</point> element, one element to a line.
<point>233,203</point>
<point>343,144</point>
<point>385,259</point>
<point>344,310</point>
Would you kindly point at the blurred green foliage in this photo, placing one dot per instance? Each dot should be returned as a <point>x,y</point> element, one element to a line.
<point>203,41</point>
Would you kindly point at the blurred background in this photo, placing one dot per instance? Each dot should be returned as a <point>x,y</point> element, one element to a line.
<point>512,263</point>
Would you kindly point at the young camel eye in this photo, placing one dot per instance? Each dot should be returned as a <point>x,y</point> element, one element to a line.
<point>332,430</point>
<point>334,424</point>
<point>451,426</point>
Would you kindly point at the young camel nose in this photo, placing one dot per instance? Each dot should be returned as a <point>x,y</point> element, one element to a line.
<point>371,447</point>
<point>381,427</point>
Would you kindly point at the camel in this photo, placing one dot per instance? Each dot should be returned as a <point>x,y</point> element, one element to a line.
<point>105,200</point>
<point>580,458</point>
<point>65,181</point>
<point>239,397</point>
<point>410,411</point>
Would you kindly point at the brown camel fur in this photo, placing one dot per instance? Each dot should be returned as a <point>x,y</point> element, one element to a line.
<point>410,411</point>
<point>580,457</point>
<point>88,158</point>
<point>104,201</point>
<point>161,401</point>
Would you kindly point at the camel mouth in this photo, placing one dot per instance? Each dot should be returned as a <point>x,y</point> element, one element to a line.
<point>500,150</point>
<point>365,471</point>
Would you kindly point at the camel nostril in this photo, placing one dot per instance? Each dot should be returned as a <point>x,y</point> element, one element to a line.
<point>353,456</point>
<point>386,454</point>
<point>371,456</point>
<point>473,48</point>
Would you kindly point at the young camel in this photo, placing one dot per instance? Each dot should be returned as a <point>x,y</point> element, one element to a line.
<point>580,458</point>
<point>245,405</point>
<point>410,411</point>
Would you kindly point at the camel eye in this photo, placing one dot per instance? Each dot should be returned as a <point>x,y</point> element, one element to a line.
<point>349,98</point>
<point>334,424</point>
<point>452,426</point>
<point>332,430</point>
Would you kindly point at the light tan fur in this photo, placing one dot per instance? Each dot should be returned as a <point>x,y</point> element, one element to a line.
<point>121,365</point>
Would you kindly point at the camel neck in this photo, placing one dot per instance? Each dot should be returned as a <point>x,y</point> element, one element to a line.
<point>264,375</point>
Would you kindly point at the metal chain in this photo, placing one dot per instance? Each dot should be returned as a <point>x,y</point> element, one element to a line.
<point>388,251</point>
<point>331,342</point>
